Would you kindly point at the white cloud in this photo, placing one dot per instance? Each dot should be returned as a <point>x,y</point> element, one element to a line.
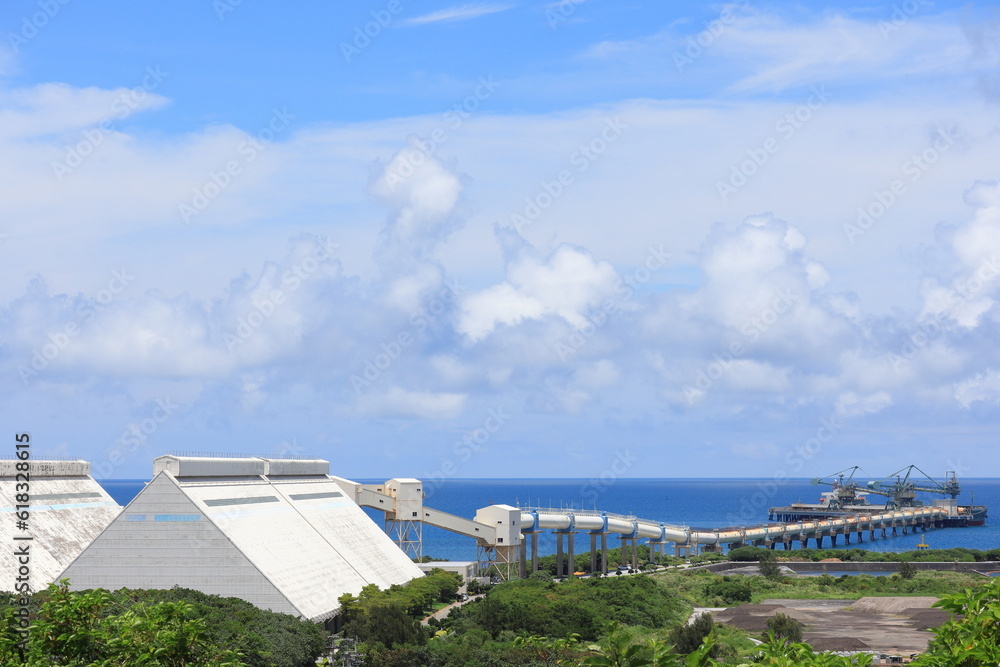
<point>459,13</point>
<point>59,109</point>
<point>757,51</point>
<point>568,284</point>
<point>850,404</point>
<point>398,403</point>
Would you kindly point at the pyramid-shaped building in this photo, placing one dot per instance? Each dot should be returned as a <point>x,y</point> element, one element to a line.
<point>281,534</point>
<point>67,509</point>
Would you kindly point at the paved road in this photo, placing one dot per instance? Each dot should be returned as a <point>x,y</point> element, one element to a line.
<point>444,611</point>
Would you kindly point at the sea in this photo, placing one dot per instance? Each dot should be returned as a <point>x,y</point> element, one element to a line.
<point>697,503</point>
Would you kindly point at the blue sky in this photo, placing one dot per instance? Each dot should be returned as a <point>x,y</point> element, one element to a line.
<point>501,239</point>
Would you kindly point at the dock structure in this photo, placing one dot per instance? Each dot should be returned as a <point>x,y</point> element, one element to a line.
<point>287,535</point>
<point>504,533</point>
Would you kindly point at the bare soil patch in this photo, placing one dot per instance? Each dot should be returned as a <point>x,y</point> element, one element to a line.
<point>893,625</point>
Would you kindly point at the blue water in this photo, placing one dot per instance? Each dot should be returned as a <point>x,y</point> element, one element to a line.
<point>700,503</point>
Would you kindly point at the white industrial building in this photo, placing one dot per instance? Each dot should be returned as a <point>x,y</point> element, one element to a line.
<point>67,509</point>
<point>281,534</point>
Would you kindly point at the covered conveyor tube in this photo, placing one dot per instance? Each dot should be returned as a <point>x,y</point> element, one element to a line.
<point>659,532</point>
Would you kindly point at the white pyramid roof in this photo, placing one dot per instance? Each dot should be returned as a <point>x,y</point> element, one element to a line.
<point>67,510</point>
<point>291,542</point>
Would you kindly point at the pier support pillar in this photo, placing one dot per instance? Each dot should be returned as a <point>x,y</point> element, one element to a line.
<point>635,553</point>
<point>571,561</point>
<point>534,552</point>
<point>604,553</point>
<point>559,554</point>
<point>593,553</point>
<point>522,561</point>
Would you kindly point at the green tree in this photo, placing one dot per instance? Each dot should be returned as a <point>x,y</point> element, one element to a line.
<point>81,630</point>
<point>731,590</point>
<point>768,566</point>
<point>969,640</point>
<point>687,637</point>
<point>783,626</point>
<point>907,570</point>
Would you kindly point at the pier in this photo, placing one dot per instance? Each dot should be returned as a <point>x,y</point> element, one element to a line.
<point>507,536</point>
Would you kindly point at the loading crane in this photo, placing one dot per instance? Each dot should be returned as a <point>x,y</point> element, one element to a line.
<point>902,492</point>
<point>846,492</point>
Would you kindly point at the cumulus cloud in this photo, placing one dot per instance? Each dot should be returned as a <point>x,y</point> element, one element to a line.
<point>117,332</point>
<point>568,283</point>
<point>976,246</point>
<point>422,195</point>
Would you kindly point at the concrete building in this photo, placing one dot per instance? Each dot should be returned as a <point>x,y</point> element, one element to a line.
<point>280,534</point>
<point>467,569</point>
<point>67,510</point>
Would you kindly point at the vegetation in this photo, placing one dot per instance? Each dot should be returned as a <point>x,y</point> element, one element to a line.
<point>686,638</point>
<point>152,628</point>
<point>783,626</point>
<point>972,637</point>
<point>702,588</point>
<point>581,607</point>
<point>632,621</point>
<point>858,555</point>
<point>581,562</point>
<point>390,618</point>
<point>86,629</point>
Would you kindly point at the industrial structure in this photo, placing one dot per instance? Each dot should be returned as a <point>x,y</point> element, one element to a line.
<point>504,533</point>
<point>899,490</point>
<point>286,535</point>
<point>280,534</point>
<point>66,510</point>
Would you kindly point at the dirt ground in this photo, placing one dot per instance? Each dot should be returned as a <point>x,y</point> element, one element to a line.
<point>891,625</point>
